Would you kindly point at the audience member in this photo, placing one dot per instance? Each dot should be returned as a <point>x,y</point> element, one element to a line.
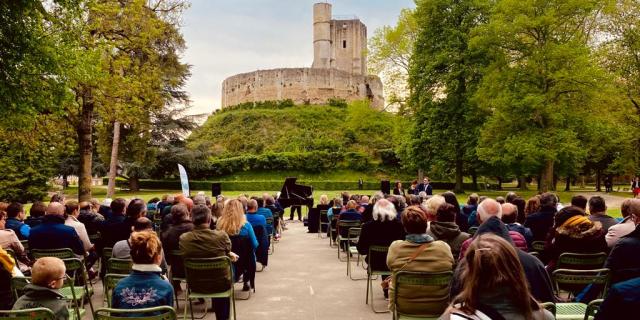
<point>510,197</point>
<point>351,213</point>
<point>54,234</point>
<point>598,212</point>
<point>461,219</point>
<point>15,216</point>
<point>541,222</point>
<point>72,213</point>
<point>270,203</point>
<point>431,206</point>
<point>509,214</point>
<point>419,252</point>
<point>500,200</point>
<point>520,204</point>
<point>495,285</point>
<point>47,277</point>
<point>573,232</point>
<point>579,201</point>
<point>234,222</point>
<point>180,224</point>
<point>444,228</point>
<point>468,210</point>
<point>122,248</point>
<point>621,300</point>
<point>9,240</point>
<point>89,218</point>
<point>144,287</point>
<point>381,231</point>
<point>202,242</point>
<point>7,268</point>
<point>114,228</point>
<point>533,206</point>
<point>623,228</point>
<point>624,260</point>
<point>266,213</point>
<point>259,222</point>
<point>36,214</point>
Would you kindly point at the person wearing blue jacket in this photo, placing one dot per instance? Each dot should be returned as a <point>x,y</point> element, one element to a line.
<point>54,234</point>
<point>15,218</point>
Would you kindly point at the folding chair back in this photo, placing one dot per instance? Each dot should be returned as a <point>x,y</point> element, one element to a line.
<point>433,286</point>
<point>155,313</point>
<point>581,261</point>
<point>63,253</point>
<point>28,314</point>
<point>119,266</point>
<point>375,253</point>
<point>537,246</point>
<point>76,294</point>
<point>18,284</point>
<point>110,281</point>
<point>592,309</point>
<point>209,278</point>
<point>574,281</point>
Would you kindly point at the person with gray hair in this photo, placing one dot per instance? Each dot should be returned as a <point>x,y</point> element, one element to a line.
<point>199,199</point>
<point>381,231</point>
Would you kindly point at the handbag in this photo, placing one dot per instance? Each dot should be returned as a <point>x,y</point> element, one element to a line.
<point>385,282</point>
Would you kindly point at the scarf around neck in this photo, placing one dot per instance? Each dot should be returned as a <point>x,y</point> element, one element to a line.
<point>418,238</point>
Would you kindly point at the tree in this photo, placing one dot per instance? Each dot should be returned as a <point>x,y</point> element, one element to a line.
<point>444,75</point>
<point>390,49</point>
<point>542,80</point>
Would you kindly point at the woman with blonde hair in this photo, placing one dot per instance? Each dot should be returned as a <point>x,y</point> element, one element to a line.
<point>495,286</point>
<point>144,287</point>
<point>234,223</point>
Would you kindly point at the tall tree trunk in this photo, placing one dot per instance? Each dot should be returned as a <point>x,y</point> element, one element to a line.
<point>522,183</point>
<point>546,178</point>
<point>65,181</point>
<point>474,179</point>
<point>598,177</point>
<point>84,132</point>
<point>134,183</point>
<point>113,165</point>
<point>459,187</point>
<point>567,186</point>
<point>499,183</point>
<point>420,175</point>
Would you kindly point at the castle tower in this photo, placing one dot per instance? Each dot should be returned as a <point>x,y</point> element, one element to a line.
<point>349,45</point>
<point>321,35</point>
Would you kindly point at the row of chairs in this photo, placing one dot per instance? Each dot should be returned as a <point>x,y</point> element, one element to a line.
<point>156,313</point>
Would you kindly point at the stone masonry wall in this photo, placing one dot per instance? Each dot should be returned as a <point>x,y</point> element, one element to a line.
<point>302,85</point>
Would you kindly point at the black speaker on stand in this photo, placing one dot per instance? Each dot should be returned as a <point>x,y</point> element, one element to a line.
<point>216,189</point>
<point>385,186</point>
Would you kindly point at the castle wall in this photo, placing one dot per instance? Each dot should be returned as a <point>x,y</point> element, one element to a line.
<point>302,85</point>
<point>348,45</point>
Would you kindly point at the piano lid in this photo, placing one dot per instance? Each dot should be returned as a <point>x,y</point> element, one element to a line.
<point>292,190</point>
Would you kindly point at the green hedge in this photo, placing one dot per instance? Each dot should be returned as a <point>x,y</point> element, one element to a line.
<point>275,185</point>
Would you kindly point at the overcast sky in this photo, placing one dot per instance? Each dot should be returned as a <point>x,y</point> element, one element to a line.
<point>226,37</point>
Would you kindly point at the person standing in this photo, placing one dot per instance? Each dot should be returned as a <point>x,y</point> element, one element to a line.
<point>635,186</point>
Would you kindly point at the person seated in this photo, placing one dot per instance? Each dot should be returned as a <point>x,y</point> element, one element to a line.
<point>509,216</point>
<point>495,287</point>
<point>397,189</point>
<point>520,205</point>
<point>9,240</point>
<point>624,260</point>
<point>72,213</point>
<point>115,227</point>
<point>266,213</point>
<point>36,214</point>
<point>89,218</point>
<point>47,277</point>
<point>579,201</point>
<point>536,274</point>
<point>622,300</point>
<point>54,234</point>
<point>444,228</point>
<point>202,242</point>
<point>15,216</point>
<point>461,219</point>
<point>144,287</point>
<point>381,231</point>
<point>234,222</point>
<point>419,252</point>
<point>468,210</point>
<point>367,214</point>
<point>488,211</point>
<point>363,204</point>
<point>180,224</point>
<point>276,211</point>
<point>598,212</point>
<point>7,272</point>
<point>122,248</point>
<point>541,222</point>
<point>259,222</point>
<point>351,214</point>
<point>623,228</point>
<point>574,233</point>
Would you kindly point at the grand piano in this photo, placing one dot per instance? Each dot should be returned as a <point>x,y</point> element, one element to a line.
<point>293,194</point>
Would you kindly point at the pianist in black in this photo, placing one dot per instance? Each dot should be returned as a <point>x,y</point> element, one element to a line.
<point>295,196</point>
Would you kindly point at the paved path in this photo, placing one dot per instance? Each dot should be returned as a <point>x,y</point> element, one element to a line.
<point>304,280</point>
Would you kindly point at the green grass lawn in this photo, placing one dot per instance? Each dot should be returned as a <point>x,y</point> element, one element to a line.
<point>101,191</point>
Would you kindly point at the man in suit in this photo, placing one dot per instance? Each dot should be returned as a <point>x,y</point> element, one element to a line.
<point>425,186</point>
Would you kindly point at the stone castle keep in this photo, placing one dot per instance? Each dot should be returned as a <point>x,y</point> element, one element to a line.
<point>339,69</point>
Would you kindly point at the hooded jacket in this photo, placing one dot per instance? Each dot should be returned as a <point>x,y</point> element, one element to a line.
<point>534,271</point>
<point>450,233</point>
<point>42,297</point>
<point>576,239</point>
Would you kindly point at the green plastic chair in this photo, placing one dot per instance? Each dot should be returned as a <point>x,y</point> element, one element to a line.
<point>18,284</point>
<point>203,271</point>
<point>119,266</point>
<point>63,253</point>
<point>323,213</point>
<point>25,244</point>
<point>94,237</point>
<point>592,309</point>
<point>581,261</point>
<point>352,236</point>
<point>472,231</point>
<point>28,314</point>
<point>272,242</point>
<point>537,246</point>
<point>549,306</point>
<point>575,281</point>
<point>175,254</point>
<point>333,230</point>
<point>343,242</point>
<point>375,250</point>
<point>155,313</point>
<point>425,282</point>
<point>110,281</point>
<point>74,293</point>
